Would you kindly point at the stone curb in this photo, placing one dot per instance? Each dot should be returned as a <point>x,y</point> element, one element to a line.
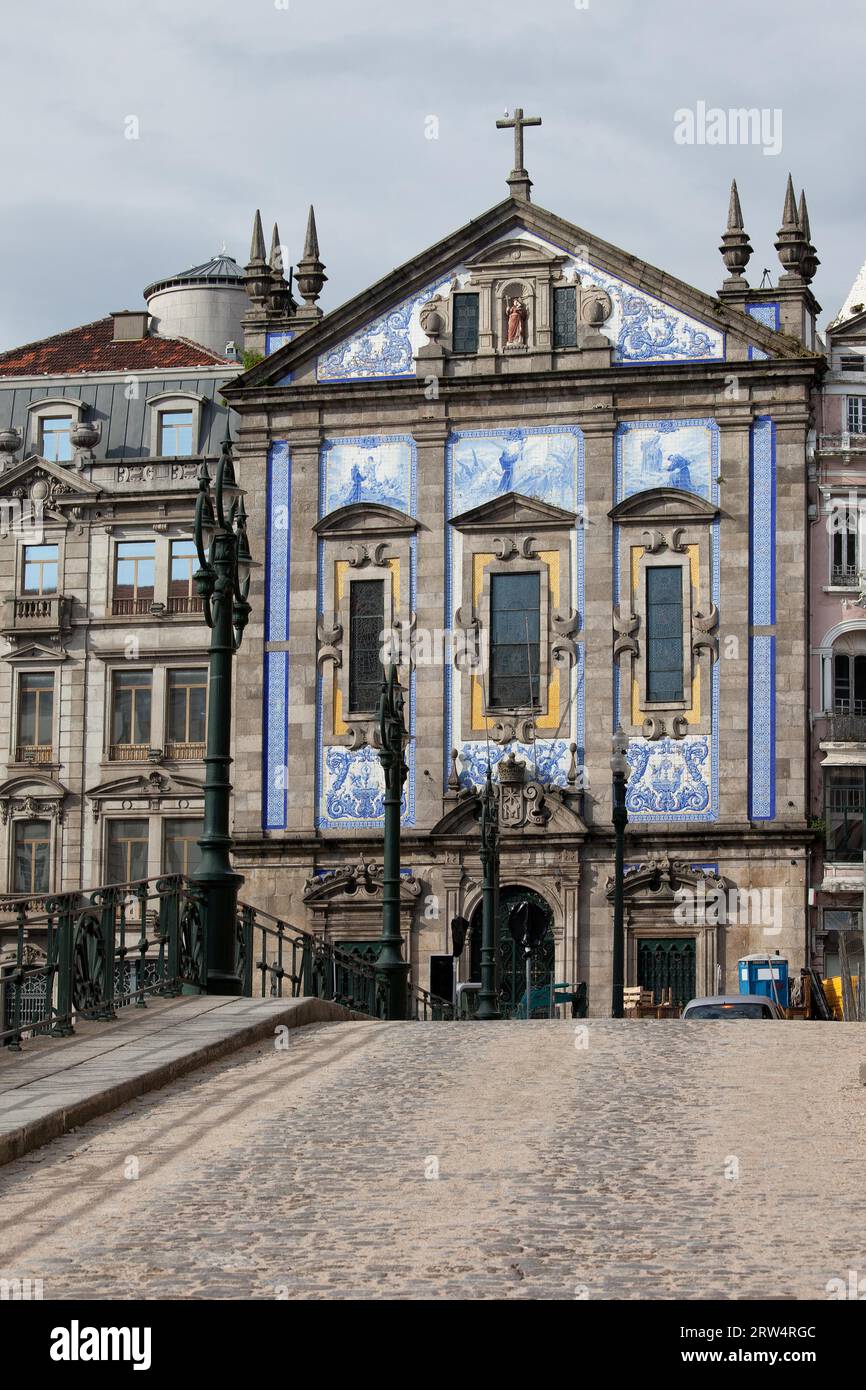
<point>105,1096</point>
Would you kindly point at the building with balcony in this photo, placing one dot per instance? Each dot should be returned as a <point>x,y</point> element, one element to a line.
<point>837,559</point>
<point>103,647</point>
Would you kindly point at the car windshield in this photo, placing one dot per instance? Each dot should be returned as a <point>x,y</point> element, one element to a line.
<point>731,1011</point>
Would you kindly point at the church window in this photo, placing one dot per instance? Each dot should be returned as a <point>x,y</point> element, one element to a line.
<point>664,646</point>
<point>465,334</point>
<point>515,626</point>
<point>366,627</point>
<point>127,850</point>
<point>31,857</point>
<point>843,813</point>
<point>55,438</point>
<point>849,683</point>
<point>857,414</point>
<point>565,317</point>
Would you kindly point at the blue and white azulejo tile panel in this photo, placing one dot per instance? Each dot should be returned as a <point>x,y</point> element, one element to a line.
<point>353,789</point>
<point>762,613</point>
<point>547,760</point>
<point>277,619</point>
<point>384,348</point>
<point>667,453</point>
<point>367,468</point>
<point>542,462</point>
<point>670,778</point>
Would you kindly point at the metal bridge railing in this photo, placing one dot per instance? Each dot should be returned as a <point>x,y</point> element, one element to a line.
<point>88,954</point>
<point>277,959</point>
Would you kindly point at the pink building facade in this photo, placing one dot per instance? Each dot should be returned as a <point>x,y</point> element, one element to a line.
<point>837,645</point>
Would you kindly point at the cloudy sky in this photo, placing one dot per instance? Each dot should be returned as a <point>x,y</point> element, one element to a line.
<point>279,103</point>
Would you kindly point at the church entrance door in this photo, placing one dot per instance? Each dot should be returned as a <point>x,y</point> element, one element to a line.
<point>667,963</point>
<point>512,967</point>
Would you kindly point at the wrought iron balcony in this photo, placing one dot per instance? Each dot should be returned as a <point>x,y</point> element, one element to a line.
<point>847,441</point>
<point>184,752</point>
<point>847,575</point>
<point>188,603</point>
<point>129,752</point>
<point>846,726</point>
<point>36,753</point>
<point>44,613</point>
<point>131,607</point>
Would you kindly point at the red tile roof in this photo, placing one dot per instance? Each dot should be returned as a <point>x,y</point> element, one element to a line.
<point>90,349</point>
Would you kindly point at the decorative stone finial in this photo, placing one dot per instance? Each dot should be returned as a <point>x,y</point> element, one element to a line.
<point>310,276</point>
<point>791,244</point>
<point>810,260</point>
<point>257,279</point>
<point>735,247</point>
<point>280,297</point>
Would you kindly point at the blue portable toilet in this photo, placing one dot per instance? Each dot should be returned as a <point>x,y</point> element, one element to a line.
<point>758,974</point>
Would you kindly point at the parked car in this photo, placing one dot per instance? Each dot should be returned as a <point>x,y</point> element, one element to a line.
<point>733,1006</point>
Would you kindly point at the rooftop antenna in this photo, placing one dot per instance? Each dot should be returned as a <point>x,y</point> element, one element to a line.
<point>766,281</point>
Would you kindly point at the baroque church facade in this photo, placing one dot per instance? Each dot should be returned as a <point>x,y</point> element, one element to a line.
<point>570,492</point>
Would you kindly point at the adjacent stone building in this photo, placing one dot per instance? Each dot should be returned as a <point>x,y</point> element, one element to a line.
<point>103,660</point>
<point>571,490</point>
<point>837,515</point>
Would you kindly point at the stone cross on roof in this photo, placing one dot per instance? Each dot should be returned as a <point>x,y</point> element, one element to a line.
<point>518,180</point>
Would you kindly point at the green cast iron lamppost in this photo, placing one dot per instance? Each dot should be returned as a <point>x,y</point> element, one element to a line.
<point>488,1001</point>
<point>619,766</point>
<point>391,967</point>
<point>223,580</point>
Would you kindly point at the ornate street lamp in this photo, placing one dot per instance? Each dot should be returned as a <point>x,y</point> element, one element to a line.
<point>488,999</point>
<point>392,736</point>
<point>223,580</point>
<point>619,766</point>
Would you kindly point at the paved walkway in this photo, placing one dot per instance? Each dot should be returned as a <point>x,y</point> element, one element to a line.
<point>666,1159</point>
<point>54,1085</point>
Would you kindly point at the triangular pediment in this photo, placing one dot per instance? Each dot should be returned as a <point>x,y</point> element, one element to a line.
<point>34,652</point>
<point>656,317</point>
<point>156,783</point>
<point>366,519</point>
<point>663,504</point>
<point>514,510</point>
<point>62,484</point>
<point>854,327</point>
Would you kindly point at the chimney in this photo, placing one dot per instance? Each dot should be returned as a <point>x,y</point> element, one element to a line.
<point>130,325</point>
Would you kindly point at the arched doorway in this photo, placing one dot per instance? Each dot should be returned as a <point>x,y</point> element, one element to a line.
<point>512,969</point>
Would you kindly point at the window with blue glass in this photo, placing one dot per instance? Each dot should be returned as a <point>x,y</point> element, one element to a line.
<point>175,433</point>
<point>664,633</point>
<point>40,569</point>
<point>515,627</point>
<point>464,336</point>
<point>55,438</point>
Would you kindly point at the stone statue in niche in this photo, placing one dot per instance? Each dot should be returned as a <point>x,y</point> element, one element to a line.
<point>515,318</point>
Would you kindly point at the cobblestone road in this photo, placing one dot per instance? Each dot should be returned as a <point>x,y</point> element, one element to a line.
<point>563,1171</point>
